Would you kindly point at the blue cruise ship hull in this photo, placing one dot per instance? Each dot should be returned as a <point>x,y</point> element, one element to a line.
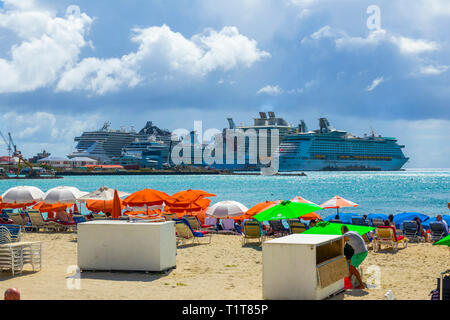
<point>342,165</point>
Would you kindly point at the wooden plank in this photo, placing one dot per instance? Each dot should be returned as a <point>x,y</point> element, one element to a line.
<point>332,270</point>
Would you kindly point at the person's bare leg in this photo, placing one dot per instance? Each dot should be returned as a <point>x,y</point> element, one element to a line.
<point>355,272</point>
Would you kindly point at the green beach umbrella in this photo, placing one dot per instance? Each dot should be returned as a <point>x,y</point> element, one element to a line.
<point>443,242</point>
<point>287,210</point>
<point>335,228</point>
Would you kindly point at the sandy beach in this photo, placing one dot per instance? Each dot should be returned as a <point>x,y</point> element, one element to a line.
<point>221,270</point>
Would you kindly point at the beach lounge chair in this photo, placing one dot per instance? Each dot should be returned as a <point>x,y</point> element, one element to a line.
<point>227,226</point>
<point>211,221</point>
<point>411,231</point>
<point>359,221</point>
<point>18,220</point>
<point>9,259</point>
<point>278,228</point>
<point>296,226</point>
<point>195,223</point>
<point>386,235</point>
<point>37,222</point>
<point>252,230</point>
<point>437,231</point>
<point>15,232</point>
<point>185,232</point>
<point>169,216</point>
<point>377,222</point>
<point>79,218</point>
<point>5,214</point>
<point>366,240</point>
<point>13,255</point>
<point>96,216</point>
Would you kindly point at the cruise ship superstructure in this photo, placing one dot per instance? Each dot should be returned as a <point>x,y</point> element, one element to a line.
<point>107,144</point>
<point>331,149</point>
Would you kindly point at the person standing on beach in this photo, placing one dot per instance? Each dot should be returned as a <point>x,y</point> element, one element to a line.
<point>353,239</point>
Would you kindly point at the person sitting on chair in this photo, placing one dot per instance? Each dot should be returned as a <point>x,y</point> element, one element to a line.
<point>396,237</point>
<point>440,220</point>
<point>63,217</point>
<point>421,231</point>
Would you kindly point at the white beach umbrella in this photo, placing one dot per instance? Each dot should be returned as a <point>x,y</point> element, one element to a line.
<point>103,193</point>
<point>22,194</point>
<point>227,208</point>
<point>63,195</point>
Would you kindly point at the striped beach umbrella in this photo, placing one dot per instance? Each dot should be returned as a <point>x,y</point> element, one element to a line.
<point>338,202</point>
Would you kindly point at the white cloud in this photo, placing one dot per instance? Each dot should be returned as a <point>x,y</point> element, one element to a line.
<point>162,53</point>
<point>375,83</point>
<point>413,46</point>
<point>49,45</point>
<point>344,41</point>
<point>270,90</point>
<point>433,70</point>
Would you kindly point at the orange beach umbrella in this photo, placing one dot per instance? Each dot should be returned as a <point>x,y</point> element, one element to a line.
<point>116,209</point>
<point>145,197</point>
<point>311,216</point>
<point>187,198</point>
<point>101,205</point>
<point>47,207</point>
<point>257,209</point>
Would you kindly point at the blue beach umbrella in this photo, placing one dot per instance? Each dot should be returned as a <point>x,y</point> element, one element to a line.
<point>408,216</point>
<point>346,218</point>
<point>445,217</point>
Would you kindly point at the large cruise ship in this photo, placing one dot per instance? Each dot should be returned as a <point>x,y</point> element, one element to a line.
<point>253,156</point>
<point>106,144</point>
<point>331,149</point>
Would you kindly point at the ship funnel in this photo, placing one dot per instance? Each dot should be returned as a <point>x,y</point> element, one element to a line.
<point>302,126</point>
<point>325,126</point>
<point>263,115</point>
<point>271,114</point>
<point>231,123</point>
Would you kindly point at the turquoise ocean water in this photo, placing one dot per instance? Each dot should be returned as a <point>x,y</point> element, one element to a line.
<point>414,190</point>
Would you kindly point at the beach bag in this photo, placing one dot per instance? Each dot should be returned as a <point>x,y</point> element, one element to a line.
<point>435,294</point>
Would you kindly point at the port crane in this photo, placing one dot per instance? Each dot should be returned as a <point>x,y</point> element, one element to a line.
<point>13,152</point>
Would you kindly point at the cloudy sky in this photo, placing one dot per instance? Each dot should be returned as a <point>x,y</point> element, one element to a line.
<point>68,66</point>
